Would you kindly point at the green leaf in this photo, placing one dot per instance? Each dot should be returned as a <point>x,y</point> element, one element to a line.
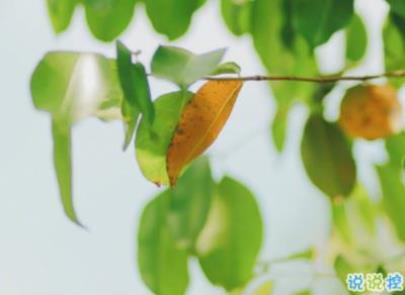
<point>135,85</point>
<point>398,6</point>
<point>182,66</point>
<point>108,19</point>
<point>71,87</point>
<point>267,28</point>
<point>190,202</point>
<point>343,267</point>
<point>356,39</point>
<point>279,127</point>
<point>171,17</point>
<point>304,292</point>
<point>236,14</point>
<point>394,50</point>
<point>163,267</point>
<point>153,141</point>
<point>61,135</point>
<point>231,239</point>
<point>60,13</point>
<point>227,68</point>
<point>392,185</point>
<point>317,20</point>
<point>327,157</point>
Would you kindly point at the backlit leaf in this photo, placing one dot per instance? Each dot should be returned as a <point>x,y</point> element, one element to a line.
<point>231,239</point>
<point>356,39</point>
<point>236,14</point>
<point>201,122</point>
<point>182,66</point>
<point>227,68</point>
<point>108,19</point>
<point>163,267</point>
<point>60,13</point>
<point>152,142</point>
<point>327,157</point>
<point>189,203</point>
<point>71,87</point>
<point>331,16</point>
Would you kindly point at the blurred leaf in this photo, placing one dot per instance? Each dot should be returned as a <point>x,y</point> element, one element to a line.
<point>201,122</point>
<point>182,66</point>
<point>393,191</point>
<point>279,127</point>
<point>61,135</point>
<point>342,268</point>
<point>341,222</point>
<point>60,13</point>
<point>398,6</point>
<point>153,141</point>
<point>227,68</point>
<point>163,267</point>
<point>308,254</point>
<point>171,17</point>
<point>190,202</point>
<point>236,14</point>
<point>264,289</point>
<point>356,39</point>
<point>327,157</point>
<point>395,146</point>
<point>135,85</point>
<point>394,50</point>
<point>108,19</point>
<point>331,16</point>
<point>296,59</point>
<point>231,239</point>
<point>71,87</point>
<point>304,292</point>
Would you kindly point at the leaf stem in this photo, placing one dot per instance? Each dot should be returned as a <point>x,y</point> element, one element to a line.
<point>319,79</point>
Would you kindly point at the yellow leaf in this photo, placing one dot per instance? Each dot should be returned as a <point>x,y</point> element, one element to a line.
<point>370,112</point>
<point>264,289</point>
<point>200,123</point>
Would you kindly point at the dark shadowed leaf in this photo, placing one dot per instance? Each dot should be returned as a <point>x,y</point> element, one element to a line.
<point>356,39</point>
<point>231,239</point>
<point>190,202</point>
<point>398,6</point>
<point>60,13</point>
<point>331,16</point>
<point>135,86</point>
<point>327,157</point>
<point>162,266</point>
<point>153,141</point>
<point>182,66</point>
<point>236,15</point>
<point>108,19</point>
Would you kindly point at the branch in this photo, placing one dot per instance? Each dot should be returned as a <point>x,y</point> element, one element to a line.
<point>320,79</point>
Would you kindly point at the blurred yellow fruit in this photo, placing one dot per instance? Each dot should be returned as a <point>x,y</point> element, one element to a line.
<point>370,112</point>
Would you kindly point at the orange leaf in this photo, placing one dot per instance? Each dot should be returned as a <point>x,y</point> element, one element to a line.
<point>201,122</point>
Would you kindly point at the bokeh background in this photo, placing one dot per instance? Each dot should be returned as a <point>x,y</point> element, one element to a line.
<point>42,253</point>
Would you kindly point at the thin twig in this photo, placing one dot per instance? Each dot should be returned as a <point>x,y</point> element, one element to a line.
<point>320,79</point>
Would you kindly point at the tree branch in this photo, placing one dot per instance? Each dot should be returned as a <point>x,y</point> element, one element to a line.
<point>320,79</point>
